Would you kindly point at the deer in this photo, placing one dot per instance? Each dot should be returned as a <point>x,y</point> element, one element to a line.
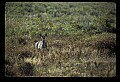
<point>41,44</point>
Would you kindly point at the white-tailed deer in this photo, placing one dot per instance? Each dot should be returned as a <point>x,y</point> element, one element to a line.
<point>41,44</point>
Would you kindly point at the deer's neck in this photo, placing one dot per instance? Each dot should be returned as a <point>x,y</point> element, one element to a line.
<point>43,41</point>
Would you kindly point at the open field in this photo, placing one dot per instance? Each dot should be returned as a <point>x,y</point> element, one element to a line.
<point>81,39</point>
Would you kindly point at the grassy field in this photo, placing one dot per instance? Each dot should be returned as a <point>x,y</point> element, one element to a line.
<point>81,39</point>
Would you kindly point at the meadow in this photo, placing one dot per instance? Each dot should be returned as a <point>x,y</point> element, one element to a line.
<point>81,39</point>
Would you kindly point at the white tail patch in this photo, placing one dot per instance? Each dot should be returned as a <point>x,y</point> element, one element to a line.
<point>41,44</point>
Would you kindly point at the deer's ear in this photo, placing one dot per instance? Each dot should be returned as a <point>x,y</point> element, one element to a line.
<point>45,34</point>
<point>40,34</point>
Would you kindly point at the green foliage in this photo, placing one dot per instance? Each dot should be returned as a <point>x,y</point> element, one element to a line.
<point>85,17</point>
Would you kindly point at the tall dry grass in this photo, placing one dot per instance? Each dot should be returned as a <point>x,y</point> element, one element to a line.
<point>62,58</point>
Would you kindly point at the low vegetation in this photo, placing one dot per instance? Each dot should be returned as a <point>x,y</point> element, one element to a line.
<point>81,39</point>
